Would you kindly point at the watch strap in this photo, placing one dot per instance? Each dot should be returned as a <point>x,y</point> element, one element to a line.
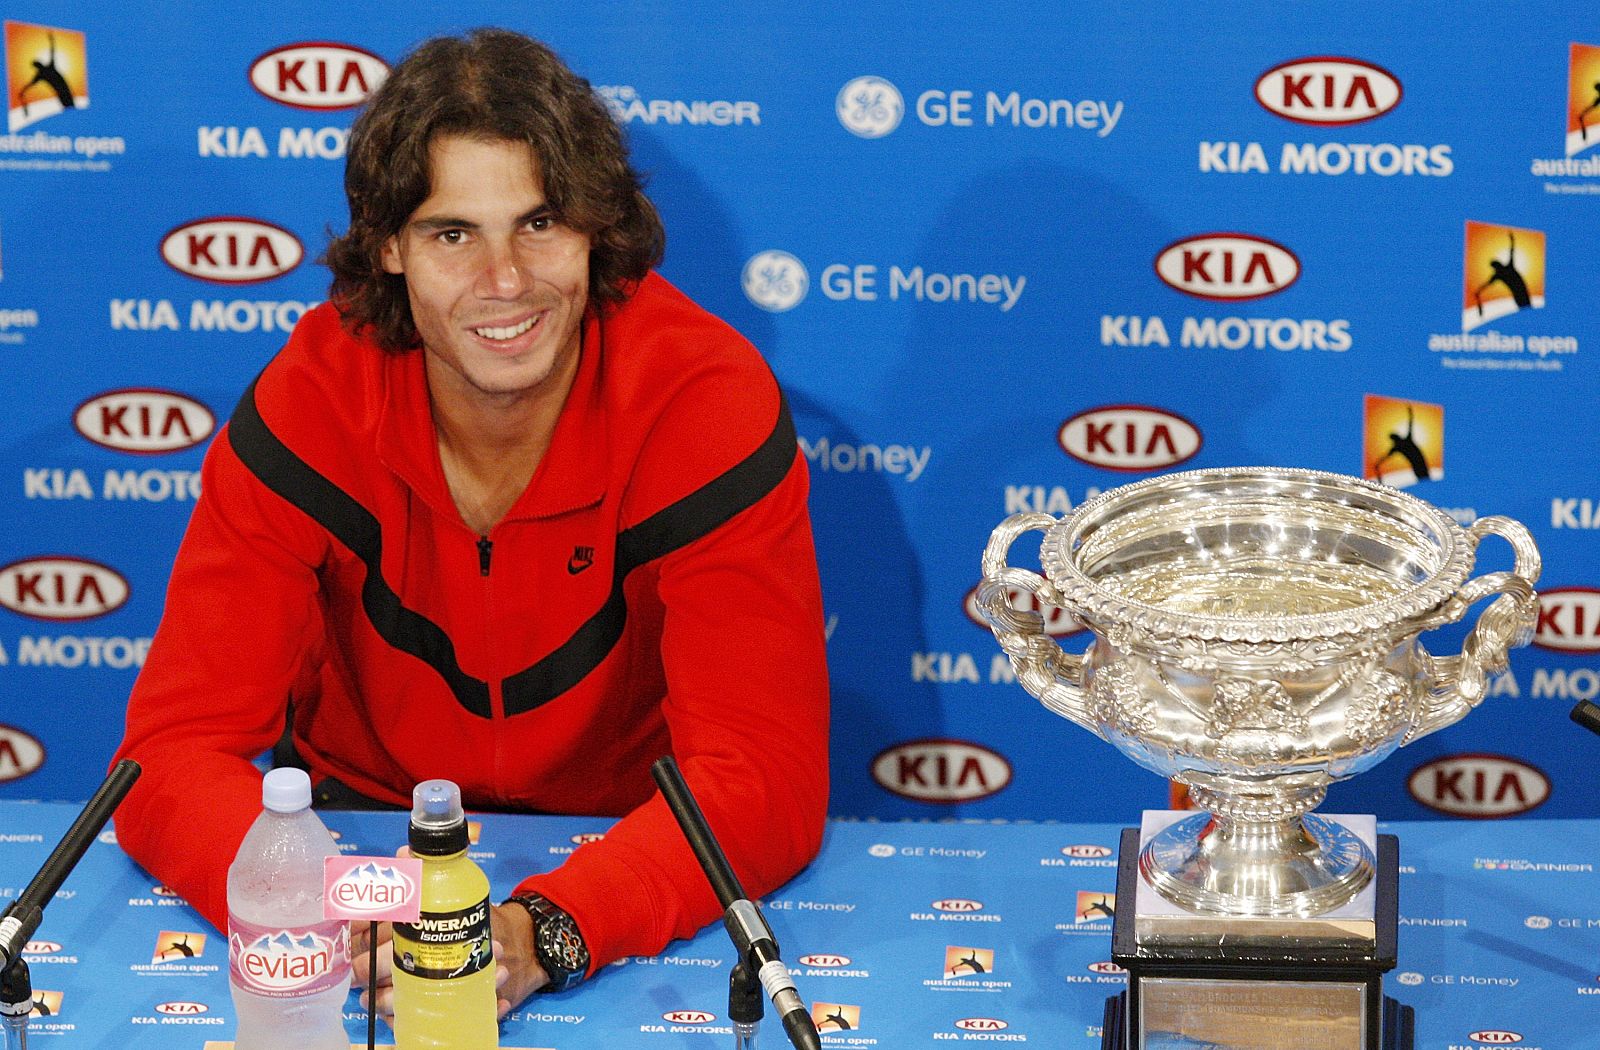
<point>546,914</point>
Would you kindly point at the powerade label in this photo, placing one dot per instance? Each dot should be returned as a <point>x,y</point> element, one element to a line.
<point>278,962</point>
<point>445,944</point>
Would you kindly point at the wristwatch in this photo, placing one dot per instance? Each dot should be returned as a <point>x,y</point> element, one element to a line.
<point>556,942</point>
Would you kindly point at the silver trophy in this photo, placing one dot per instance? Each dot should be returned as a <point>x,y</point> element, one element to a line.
<point>1256,639</point>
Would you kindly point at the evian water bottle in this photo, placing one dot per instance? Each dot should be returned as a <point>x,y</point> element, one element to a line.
<point>289,968</point>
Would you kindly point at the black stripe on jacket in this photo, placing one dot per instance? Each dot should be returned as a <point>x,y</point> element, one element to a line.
<point>673,527</point>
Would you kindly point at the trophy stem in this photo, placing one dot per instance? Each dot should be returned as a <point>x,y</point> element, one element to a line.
<point>1257,855</point>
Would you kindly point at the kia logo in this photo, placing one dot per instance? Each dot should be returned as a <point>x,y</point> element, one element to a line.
<point>826,962</point>
<point>1106,967</point>
<point>1086,852</point>
<point>1129,438</point>
<point>144,421</point>
<point>688,1017</point>
<point>957,904</point>
<point>1328,90</point>
<point>318,76</point>
<point>1495,1037</point>
<point>163,891</point>
<point>1569,620</point>
<point>1058,623</point>
<point>20,754</point>
<point>61,588</point>
<point>941,771</point>
<point>229,249</point>
<point>1227,267</point>
<point>1478,786</point>
<point>181,1008</point>
<point>586,837</point>
<point>981,1024</point>
<point>40,948</point>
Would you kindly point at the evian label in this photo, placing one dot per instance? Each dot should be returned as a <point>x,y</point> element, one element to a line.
<point>230,249</point>
<point>1129,438</point>
<point>372,889</point>
<point>1328,90</point>
<point>280,963</point>
<point>1478,786</point>
<point>144,421</point>
<point>1227,267</point>
<point>318,75</point>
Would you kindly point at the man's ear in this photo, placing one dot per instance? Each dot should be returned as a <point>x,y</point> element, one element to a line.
<point>390,256</point>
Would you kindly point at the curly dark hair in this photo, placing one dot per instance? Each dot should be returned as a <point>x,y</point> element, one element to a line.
<point>490,84</point>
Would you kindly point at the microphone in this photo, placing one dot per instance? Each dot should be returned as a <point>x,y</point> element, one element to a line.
<point>750,932</point>
<point>22,917</point>
<point>1587,715</point>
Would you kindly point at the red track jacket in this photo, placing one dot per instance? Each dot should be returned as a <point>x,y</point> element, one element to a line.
<point>654,590</point>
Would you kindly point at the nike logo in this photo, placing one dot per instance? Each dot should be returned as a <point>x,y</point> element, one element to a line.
<point>582,558</point>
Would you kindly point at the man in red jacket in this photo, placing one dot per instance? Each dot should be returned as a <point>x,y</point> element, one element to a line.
<point>509,510</point>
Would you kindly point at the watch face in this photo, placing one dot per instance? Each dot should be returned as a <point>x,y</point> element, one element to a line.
<point>561,943</point>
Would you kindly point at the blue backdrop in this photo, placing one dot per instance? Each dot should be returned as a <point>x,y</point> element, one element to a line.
<point>1002,257</point>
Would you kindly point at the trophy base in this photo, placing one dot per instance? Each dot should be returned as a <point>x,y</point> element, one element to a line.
<point>1399,1029</point>
<point>1256,991</point>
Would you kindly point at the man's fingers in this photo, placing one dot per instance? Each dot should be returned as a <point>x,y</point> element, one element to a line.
<point>385,1002</point>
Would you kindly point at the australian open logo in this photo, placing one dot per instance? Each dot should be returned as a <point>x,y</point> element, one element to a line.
<point>775,281</point>
<point>870,107</point>
<point>1582,124</point>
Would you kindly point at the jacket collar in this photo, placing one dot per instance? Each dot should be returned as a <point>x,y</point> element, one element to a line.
<point>573,473</point>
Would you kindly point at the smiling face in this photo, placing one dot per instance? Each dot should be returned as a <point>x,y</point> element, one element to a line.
<point>497,284</point>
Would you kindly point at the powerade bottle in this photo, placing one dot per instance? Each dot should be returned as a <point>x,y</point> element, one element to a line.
<point>289,968</point>
<point>444,995</point>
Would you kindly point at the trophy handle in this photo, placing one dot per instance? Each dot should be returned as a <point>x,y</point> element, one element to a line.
<point>1459,683</point>
<point>1046,670</point>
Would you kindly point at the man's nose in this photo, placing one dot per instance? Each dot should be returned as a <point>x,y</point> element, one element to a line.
<point>505,274</point>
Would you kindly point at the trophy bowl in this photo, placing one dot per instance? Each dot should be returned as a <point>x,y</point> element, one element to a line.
<point>1256,639</point>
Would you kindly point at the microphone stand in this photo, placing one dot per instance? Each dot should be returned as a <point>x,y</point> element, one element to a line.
<point>19,921</point>
<point>757,947</point>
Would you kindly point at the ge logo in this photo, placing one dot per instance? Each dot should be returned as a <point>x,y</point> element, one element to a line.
<point>1537,922</point>
<point>881,849</point>
<point>775,281</point>
<point>1410,978</point>
<point>870,107</point>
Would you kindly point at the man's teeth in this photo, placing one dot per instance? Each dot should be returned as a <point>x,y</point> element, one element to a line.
<point>506,333</point>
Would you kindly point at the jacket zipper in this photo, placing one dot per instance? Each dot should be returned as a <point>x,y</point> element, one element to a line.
<point>485,549</point>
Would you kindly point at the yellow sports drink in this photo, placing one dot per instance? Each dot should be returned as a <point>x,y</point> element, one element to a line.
<point>444,995</point>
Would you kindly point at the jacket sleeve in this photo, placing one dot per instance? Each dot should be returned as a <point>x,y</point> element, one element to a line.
<point>747,709</point>
<point>241,621</point>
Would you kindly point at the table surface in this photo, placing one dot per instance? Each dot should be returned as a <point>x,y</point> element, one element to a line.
<point>1499,939</point>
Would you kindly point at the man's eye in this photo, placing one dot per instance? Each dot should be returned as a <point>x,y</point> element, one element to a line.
<point>542,223</point>
<point>452,236</point>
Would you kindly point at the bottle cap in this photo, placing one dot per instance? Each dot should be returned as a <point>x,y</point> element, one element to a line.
<point>286,790</point>
<point>438,824</point>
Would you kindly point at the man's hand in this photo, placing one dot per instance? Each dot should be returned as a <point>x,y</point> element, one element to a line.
<point>517,971</point>
<point>520,974</point>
